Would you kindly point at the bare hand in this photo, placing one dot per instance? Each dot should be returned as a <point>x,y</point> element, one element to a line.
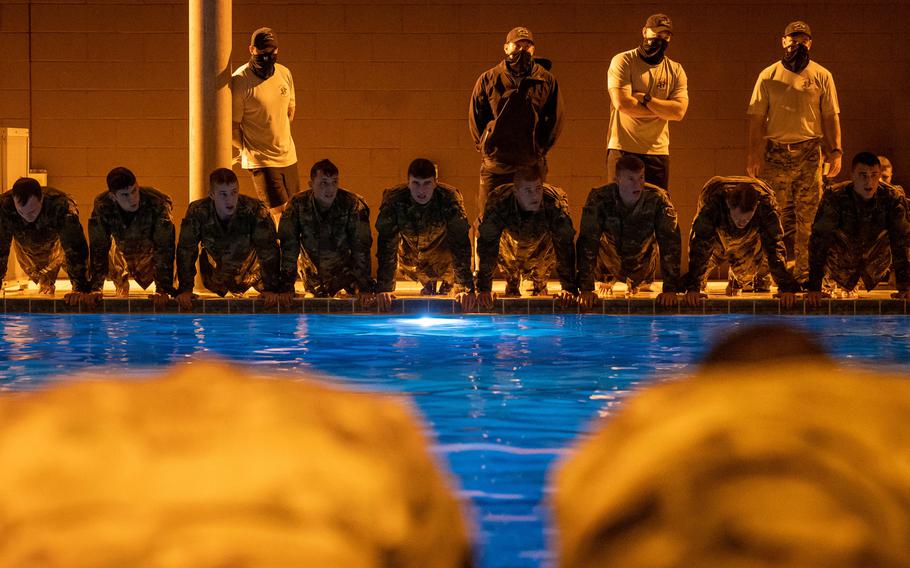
<point>834,163</point>
<point>484,301</point>
<point>901,295</point>
<point>467,301</point>
<point>272,299</point>
<point>565,299</point>
<point>787,299</point>
<point>814,299</point>
<point>693,298</point>
<point>753,166</point>
<point>185,300</point>
<point>367,300</point>
<point>159,300</point>
<point>384,301</point>
<point>123,291</point>
<point>667,299</point>
<point>49,289</point>
<point>586,300</point>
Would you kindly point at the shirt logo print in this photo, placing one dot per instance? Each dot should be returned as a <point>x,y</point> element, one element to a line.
<point>284,91</point>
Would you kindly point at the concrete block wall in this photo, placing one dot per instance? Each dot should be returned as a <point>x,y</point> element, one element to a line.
<point>380,82</point>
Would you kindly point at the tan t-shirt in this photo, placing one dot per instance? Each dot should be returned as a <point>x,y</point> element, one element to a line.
<point>794,102</point>
<point>261,108</point>
<point>666,81</point>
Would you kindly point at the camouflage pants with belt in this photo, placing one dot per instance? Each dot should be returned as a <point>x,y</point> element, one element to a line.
<point>325,283</point>
<point>426,268</point>
<point>612,269</point>
<point>794,172</point>
<point>847,267</point>
<point>746,258</point>
<point>42,265</point>
<point>529,261</point>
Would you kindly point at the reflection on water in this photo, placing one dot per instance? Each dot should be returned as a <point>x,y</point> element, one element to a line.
<point>504,395</point>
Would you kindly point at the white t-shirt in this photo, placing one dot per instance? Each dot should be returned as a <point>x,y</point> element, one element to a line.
<point>794,102</point>
<point>261,108</point>
<point>666,81</point>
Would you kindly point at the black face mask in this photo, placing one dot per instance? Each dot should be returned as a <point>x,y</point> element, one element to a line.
<point>796,57</point>
<point>652,49</point>
<point>263,64</point>
<point>520,62</point>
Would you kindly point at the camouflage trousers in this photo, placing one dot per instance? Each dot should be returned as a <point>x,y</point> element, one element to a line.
<point>426,268</point>
<point>746,259</point>
<point>41,264</point>
<point>234,279</point>
<point>612,268</point>
<point>139,265</point>
<point>847,267</point>
<point>532,261</point>
<point>794,172</point>
<point>325,283</point>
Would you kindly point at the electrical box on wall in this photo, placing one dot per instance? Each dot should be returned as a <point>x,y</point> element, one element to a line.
<point>13,156</point>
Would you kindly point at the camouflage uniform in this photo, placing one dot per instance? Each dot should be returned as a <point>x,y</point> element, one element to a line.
<point>854,239</point>
<point>335,243</point>
<point>625,242</point>
<point>235,256</point>
<point>425,242</point>
<point>143,242</point>
<point>43,245</point>
<point>526,244</point>
<point>794,172</point>
<point>752,251</point>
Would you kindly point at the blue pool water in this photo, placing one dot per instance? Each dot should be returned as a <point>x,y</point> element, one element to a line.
<point>504,395</point>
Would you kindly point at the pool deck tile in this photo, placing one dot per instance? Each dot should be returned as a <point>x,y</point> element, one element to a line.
<point>408,301</point>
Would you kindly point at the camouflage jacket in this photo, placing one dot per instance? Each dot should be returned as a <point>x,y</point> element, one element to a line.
<point>502,213</point>
<point>853,225</point>
<point>433,230</point>
<point>335,242</point>
<point>58,220</point>
<point>228,247</point>
<point>712,221</point>
<point>143,237</point>
<point>632,231</point>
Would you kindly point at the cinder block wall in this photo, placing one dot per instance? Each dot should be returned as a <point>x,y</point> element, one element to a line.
<point>104,82</point>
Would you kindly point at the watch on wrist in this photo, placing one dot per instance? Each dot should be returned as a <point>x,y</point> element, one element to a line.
<point>645,100</point>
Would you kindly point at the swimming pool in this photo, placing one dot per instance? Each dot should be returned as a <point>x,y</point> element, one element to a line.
<point>504,395</point>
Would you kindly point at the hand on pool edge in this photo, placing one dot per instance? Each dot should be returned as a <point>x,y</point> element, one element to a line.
<point>384,301</point>
<point>586,299</point>
<point>667,299</point>
<point>468,301</point>
<point>692,298</point>
<point>564,299</point>
<point>787,299</point>
<point>159,300</point>
<point>272,299</point>
<point>185,300</point>
<point>814,299</point>
<point>485,301</point>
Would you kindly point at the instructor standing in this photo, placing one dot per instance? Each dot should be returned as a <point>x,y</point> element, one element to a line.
<point>262,92</point>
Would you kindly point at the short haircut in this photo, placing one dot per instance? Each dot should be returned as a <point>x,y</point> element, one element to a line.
<point>885,162</point>
<point>422,168</point>
<point>866,159</point>
<point>26,188</point>
<point>222,176</point>
<point>531,172</point>
<point>325,166</point>
<point>120,178</point>
<point>743,196</point>
<point>629,163</point>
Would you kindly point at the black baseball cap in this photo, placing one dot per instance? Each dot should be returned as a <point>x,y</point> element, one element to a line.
<point>797,27</point>
<point>518,34</point>
<point>264,38</point>
<point>659,23</point>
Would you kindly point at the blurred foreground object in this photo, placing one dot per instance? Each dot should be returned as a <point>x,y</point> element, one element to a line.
<point>783,465</point>
<point>210,467</point>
